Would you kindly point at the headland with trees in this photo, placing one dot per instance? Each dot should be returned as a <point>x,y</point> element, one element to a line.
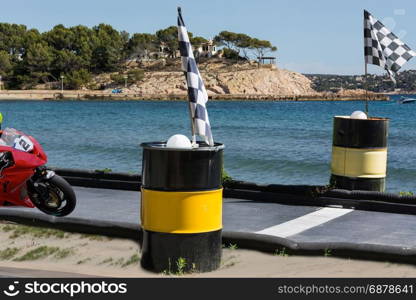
<point>76,54</point>
<point>100,59</point>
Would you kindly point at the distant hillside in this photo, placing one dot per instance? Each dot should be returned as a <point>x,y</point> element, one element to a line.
<point>406,82</point>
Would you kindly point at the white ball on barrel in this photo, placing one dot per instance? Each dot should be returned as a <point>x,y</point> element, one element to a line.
<point>358,114</point>
<point>179,141</point>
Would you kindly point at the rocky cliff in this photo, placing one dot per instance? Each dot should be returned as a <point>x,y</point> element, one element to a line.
<point>221,78</point>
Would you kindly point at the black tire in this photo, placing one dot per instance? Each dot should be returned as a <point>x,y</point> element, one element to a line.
<point>62,189</point>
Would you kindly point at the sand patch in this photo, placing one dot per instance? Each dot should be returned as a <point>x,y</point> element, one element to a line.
<point>33,248</point>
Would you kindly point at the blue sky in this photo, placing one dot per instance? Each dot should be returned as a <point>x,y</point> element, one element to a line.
<point>319,36</point>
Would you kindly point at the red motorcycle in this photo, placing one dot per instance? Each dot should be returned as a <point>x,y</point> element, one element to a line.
<point>24,179</point>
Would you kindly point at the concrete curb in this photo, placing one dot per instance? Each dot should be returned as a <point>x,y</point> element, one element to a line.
<point>244,240</point>
<point>101,179</point>
<point>283,194</point>
<point>75,225</point>
<point>291,199</point>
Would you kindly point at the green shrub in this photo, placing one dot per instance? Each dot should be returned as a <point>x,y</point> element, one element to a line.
<point>77,79</point>
<point>117,78</point>
<point>38,253</point>
<point>225,177</point>
<point>230,53</point>
<point>132,77</point>
<point>406,193</point>
<point>8,253</point>
<point>135,75</point>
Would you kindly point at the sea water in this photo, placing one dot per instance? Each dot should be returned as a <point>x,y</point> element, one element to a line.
<point>266,142</point>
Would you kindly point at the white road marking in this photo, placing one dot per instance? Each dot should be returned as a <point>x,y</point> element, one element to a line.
<point>305,222</point>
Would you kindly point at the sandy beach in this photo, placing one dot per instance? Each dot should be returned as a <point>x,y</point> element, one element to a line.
<point>69,254</point>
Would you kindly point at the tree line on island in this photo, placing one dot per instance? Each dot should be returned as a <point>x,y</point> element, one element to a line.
<point>29,57</point>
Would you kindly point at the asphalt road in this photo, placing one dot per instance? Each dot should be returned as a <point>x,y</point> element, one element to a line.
<point>6,272</point>
<point>297,223</point>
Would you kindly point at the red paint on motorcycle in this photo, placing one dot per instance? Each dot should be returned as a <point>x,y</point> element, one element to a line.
<point>13,179</point>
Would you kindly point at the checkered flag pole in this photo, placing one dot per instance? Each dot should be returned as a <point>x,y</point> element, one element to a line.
<point>383,48</point>
<point>197,94</point>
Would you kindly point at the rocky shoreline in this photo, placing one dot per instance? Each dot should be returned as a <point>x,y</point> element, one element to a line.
<point>224,80</point>
<point>105,95</point>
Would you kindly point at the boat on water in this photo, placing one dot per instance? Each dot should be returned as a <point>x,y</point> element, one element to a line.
<point>406,100</point>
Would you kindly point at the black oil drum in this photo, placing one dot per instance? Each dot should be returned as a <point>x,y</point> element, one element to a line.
<point>359,153</point>
<point>181,207</point>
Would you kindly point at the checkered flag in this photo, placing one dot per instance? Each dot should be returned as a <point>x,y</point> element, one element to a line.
<point>383,48</point>
<point>196,90</point>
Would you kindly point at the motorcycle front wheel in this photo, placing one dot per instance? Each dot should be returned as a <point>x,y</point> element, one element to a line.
<point>54,196</point>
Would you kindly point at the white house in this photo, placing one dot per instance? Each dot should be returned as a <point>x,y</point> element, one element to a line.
<point>207,49</point>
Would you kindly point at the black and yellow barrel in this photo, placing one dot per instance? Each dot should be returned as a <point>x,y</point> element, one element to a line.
<point>359,153</point>
<point>181,207</point>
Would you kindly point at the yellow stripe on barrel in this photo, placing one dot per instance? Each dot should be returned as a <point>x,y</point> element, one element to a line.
<point>360,163</point>
<point>181,212</point>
